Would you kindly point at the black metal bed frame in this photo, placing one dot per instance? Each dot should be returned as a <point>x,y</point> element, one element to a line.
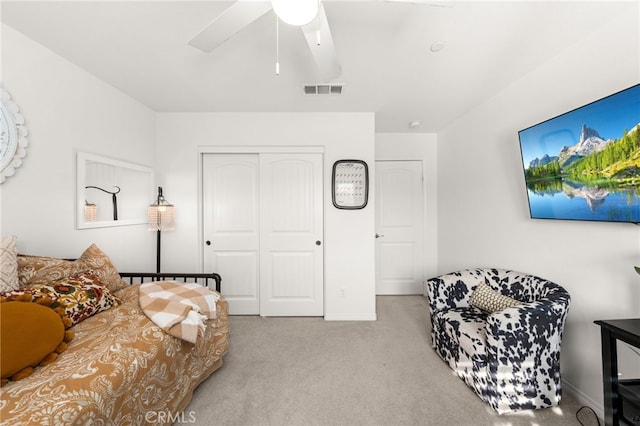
<point>197,277</point>
<point>200,278</point>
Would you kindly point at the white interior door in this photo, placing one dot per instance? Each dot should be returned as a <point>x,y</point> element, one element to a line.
<point>263,230</point>
<point>231,226</point>
<point>399,227</point>
<point>291,227</point>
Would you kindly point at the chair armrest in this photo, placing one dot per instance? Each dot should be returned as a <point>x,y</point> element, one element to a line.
<point>539,319</point>
<point>527,337</point>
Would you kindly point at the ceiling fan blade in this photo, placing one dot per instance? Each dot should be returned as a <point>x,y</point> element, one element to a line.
<point>320,43</point>
<point>236,17</point>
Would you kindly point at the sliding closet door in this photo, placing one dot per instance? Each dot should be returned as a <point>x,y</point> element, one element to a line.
<point>263,230</point>
<point>291,229</point>
<point>231,227</point>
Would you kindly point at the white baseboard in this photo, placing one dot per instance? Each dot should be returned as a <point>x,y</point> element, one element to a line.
<point>372,317</point>
<point>584,399</point>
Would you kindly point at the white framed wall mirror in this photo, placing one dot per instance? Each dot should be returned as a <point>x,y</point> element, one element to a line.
<point>111,192</point>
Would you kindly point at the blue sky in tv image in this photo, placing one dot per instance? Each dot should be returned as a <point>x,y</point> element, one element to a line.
<point>609,116</point>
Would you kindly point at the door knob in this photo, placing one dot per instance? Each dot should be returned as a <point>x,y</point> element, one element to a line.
<point>379,235</point>
<point>318,243</point>
<point>208,242</point>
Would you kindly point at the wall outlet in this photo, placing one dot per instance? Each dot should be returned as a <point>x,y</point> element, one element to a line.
<point>343,293</point>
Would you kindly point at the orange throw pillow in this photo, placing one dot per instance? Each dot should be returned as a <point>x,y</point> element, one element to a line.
<point>31,334</point>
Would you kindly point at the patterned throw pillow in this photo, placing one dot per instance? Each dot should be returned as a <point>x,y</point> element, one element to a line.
<point>100,264</point>
<point>41,269</point>
<point>485,298</point>
<point>8,264</point>
<point>34,270</point>
<point>81,296</point>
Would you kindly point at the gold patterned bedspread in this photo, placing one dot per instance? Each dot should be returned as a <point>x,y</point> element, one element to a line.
<point>120,369</point>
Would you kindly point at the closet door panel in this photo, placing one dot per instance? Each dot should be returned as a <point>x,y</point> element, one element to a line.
<point>231,226</point>
<point>291,250</point>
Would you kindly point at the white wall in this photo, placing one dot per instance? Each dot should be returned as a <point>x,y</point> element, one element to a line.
<point>66,110</point>
<point>349,254</point>
<point>483,213</point>
<point>420,147</point>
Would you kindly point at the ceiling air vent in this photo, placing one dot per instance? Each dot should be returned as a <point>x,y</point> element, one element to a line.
<point>323,89</point>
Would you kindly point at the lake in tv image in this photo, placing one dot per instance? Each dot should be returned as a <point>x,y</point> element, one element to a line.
<point>585,164</point>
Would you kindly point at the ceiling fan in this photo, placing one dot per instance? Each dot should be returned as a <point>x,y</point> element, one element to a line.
<point>314,26</point>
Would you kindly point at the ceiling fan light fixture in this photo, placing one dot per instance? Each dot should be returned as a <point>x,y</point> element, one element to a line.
<point>296,12</point>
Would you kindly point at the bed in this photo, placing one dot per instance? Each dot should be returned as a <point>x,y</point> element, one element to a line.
<point>120,368</point>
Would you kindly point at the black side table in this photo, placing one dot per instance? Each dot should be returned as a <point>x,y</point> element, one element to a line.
<point>621,397</point>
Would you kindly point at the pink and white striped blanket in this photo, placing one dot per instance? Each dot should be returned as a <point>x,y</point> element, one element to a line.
<point>178,308</point>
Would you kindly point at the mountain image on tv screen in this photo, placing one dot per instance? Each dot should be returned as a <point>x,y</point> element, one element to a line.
<point>585,164</point>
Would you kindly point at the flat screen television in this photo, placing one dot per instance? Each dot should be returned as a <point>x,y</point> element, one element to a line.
<point>585,164</point>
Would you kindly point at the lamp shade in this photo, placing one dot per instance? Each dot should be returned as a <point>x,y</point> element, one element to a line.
<point>296,12</point>
<point>90,212</point>
<point>161,218</point>
<point>161,215</point>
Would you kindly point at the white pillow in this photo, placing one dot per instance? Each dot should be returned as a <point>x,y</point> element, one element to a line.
<point>8,264</point>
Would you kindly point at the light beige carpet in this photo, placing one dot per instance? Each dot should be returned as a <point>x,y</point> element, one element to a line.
<point>307,371</point>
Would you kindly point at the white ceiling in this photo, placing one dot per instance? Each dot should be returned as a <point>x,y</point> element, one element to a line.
<point>140,47</point>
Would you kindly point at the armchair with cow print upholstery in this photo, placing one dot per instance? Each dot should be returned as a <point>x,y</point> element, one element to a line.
<point>509,357</point>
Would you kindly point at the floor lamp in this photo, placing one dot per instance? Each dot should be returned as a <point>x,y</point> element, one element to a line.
<point>160,217</point>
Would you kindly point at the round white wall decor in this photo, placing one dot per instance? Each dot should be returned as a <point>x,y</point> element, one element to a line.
<point>13,137</point>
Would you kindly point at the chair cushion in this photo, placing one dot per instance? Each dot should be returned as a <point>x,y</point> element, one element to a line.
<point>463,329</point>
